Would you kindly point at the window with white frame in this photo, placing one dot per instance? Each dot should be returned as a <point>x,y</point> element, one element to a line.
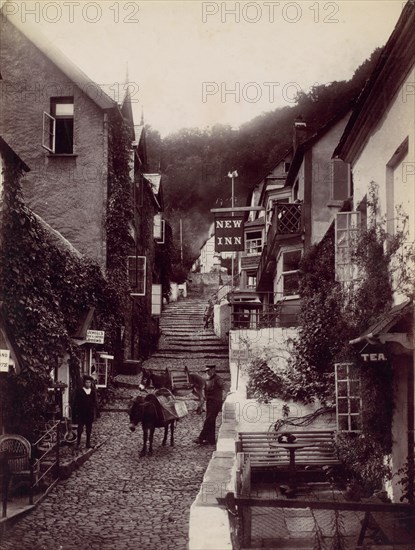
<point>58,126</point>
<point>288,266</point>
<point>137,275</point>
<point>340,180</point>
<point>347,228</point>
<point>156,300</point>
<point>100,367</point>
<point>348,397</point>
<point>253,242</point>
<point>251,279</point>
<point>159,228</point>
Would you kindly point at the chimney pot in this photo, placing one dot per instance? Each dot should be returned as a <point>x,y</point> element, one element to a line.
<point>299,132</point>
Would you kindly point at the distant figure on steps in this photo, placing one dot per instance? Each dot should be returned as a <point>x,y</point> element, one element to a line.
<point>208,314</point>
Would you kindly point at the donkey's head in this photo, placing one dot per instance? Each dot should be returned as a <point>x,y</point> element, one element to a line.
<point>136,411</point>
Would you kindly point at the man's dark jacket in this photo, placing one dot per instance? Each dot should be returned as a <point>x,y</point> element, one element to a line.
<point>214,388</point>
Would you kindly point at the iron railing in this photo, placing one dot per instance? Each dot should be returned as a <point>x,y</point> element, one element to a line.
<point>283,314</point>
<point>46,465</point>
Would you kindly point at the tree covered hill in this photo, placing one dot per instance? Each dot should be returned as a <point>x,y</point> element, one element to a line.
<point>195,162</point>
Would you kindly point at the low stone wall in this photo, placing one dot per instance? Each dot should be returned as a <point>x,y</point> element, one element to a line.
<point>222,320</point>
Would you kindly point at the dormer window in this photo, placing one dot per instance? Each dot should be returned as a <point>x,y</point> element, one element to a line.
<point>58,126</point>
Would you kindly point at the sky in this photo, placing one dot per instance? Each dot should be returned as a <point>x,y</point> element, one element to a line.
<point>196,64</point>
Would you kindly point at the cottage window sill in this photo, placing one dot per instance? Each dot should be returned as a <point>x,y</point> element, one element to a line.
<point>335,203</point>
<point>286,298</point>
<point>65,155</point>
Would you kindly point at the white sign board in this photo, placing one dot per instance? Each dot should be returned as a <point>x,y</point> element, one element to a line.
<point>4,360</point>
<point>95,336</point>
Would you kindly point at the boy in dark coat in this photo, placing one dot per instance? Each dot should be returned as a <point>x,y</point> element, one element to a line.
<point>85,409</point>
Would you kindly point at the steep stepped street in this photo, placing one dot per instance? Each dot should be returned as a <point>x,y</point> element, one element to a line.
<point>116,500</point>
<point>183,332</point>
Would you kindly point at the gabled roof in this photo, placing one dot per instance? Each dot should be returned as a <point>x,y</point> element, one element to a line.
<point>5,148</point>
<point>155,180</point>
<point>391,70</point>
<point>263,178</point>
<point>138,131</point>
<point>155,183</point>
<point>386,322</point>
<point>306,145</point>
<point>57,238</point>
<point>74,73</point>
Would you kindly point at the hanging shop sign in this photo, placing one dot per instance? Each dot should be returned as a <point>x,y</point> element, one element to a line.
<point>229,233</point>
<point>4,360</point>
<point>95,336</point>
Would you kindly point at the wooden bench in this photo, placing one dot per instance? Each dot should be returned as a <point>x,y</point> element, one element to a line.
<point>266,453</point>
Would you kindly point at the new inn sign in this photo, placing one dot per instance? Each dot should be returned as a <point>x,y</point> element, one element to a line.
<point>229,233</point>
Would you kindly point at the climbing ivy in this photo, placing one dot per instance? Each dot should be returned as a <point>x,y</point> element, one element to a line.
<point>46,289</point>
<point>118,218</point>
<point>331,315</point>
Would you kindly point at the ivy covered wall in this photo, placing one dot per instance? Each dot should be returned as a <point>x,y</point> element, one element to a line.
<point>46,288</point>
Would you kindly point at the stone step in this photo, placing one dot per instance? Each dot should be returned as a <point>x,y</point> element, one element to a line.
<point>181,355</point>
<point>193,349</point>
<point>192,343</point>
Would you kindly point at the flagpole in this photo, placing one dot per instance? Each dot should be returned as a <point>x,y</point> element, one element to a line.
<point>233,175</point>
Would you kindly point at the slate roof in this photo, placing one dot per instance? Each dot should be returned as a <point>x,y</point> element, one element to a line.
<point>394,64</point>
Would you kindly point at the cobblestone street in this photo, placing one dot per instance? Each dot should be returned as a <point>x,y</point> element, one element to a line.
<point>117,500</point>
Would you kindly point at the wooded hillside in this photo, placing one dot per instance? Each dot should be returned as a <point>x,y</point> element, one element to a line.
<point>195,162</point>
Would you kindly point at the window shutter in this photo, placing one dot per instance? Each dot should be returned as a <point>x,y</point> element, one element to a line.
<point>156,300</point>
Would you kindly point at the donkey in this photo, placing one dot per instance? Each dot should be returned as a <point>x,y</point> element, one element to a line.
<point>150,378</point>
<point>197,383</point>
<point>144,410</point>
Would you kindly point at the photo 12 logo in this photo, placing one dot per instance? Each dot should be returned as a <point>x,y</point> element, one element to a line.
<point>270,12</point>
<point>41,91</point>
<point>251,92</point>
<point>71,11</point>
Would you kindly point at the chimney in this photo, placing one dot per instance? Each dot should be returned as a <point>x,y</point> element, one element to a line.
<point>299,132</point>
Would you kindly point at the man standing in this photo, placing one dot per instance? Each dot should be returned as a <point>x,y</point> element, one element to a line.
<point>214,401</point>
<point>85,409</point>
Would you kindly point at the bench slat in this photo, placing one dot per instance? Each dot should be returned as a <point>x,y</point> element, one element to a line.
<point>319,448</point>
